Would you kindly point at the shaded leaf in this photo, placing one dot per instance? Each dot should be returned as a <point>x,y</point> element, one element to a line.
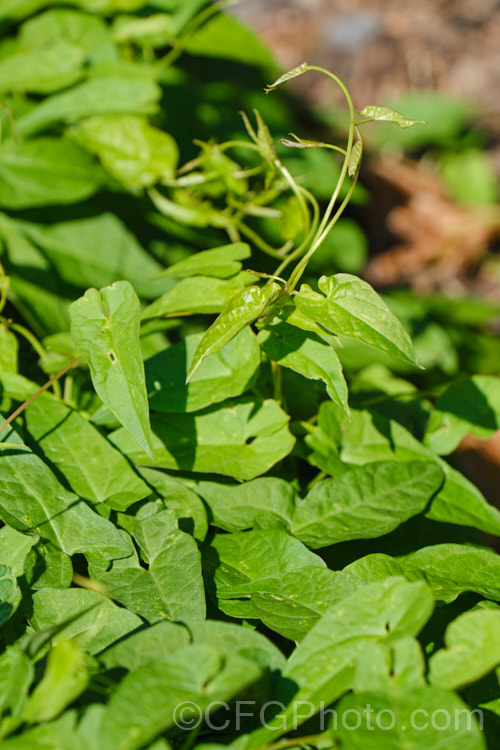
<point>229,373</point>
<point>45,171</point>
<point>307,354</point>
<point>241,440</point>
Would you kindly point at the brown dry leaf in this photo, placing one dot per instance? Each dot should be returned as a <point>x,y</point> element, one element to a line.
<point>441,241</point>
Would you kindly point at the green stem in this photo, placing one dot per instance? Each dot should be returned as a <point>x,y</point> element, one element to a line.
<point>350,140</point>
<point>262,244</point>
<point>314,225</point>
<point>320,237</point>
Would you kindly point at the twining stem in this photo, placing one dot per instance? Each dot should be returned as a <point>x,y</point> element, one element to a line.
<point>44,387</point>
<point>301,266</point>
<point>350,140</point>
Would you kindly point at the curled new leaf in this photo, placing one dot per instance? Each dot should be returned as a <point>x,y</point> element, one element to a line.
<point>355,156</point>
<point>373,112</point>
<point>298,71</point>
<point>244,308</point>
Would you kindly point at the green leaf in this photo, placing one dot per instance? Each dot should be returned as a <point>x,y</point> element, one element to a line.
<point>32,500</point>
<point>46,171</point>
<point>366,502</point>
<point>156,30</point>
<point>267,501</point>
<point>411,719</point>
<point>472,649</point>
<point>87,32</point>
<point>200,294</point>
<point>64,679</point>
<point>350,307</point>
<point>10,594</point>
<point>164,638</point>
<point>322,666</point>
<point>172,587</point>
<point>298,71</point>
<point>95,621</point>
<point>221,262</point>
<point>229,373</point>
<point>195,676</point>
<point>99,96</point>
<point>131,150</point>
<point>46,565</point>
<point>14,548</point>
<point>105,326</point>
<point>62,733</point>
<point>16,675</point>
<point>369,436</point>
<point>355,157</point>
<point>244,562</point>
<point>92,467</point>
<point>307,354</point>
<point>372,112</point>
<point>243,439</point>
<point>43,69</point>
<point>451,569</point>
<point>469,406</point>
<point>185,504</point>
<point>75,249</point>
<point>245,307</point>
<point>225,37</point>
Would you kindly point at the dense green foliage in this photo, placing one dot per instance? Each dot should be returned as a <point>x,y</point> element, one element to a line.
<point>218,530</point>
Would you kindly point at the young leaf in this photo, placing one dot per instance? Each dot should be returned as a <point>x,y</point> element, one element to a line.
<point>244,308</point>
<point>350,307</point>
<point>355,156</point>
<point>298,71</point>
<point>105,326</point>
<point>372,112</point>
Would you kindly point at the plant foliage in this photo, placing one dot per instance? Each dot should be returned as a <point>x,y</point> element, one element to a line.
<point>197,513</point>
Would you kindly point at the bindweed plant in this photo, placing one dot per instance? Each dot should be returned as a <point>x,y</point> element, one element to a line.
<point>206,539</point>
